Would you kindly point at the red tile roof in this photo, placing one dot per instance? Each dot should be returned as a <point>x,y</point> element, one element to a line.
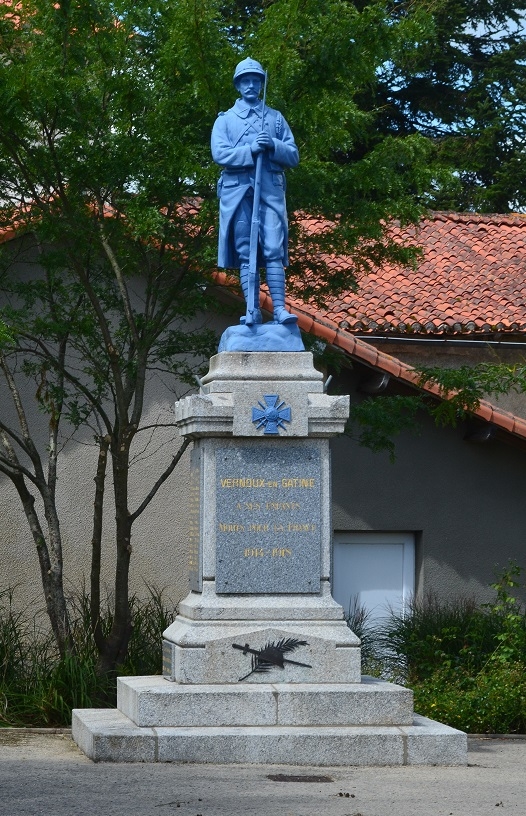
<point>471,280</point>
<point>365,352</point>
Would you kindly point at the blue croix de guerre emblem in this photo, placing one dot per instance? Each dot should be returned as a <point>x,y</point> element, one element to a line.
<point>272,415</point>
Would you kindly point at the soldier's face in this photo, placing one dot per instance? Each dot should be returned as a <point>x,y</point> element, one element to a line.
<point>249,86</point>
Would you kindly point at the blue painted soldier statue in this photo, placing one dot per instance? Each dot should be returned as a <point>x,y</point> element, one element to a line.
<point>247,135</point>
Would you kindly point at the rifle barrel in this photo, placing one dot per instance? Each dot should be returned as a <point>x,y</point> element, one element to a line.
<point>254,226</point>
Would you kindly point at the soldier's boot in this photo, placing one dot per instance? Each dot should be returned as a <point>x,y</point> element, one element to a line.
<point>276,284</point>
<point>256,314</point>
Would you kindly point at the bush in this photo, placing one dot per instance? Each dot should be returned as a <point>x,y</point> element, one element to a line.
<point>491,701</point>
<point>359,621</point>
<point>39,688</point>
<point>434,636</point>
<point>466,663</point>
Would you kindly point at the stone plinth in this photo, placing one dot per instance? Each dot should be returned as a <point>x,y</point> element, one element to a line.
<point>259,560</point>
<point>260,546</point>
<point>152,702</point>
<point>107,735</point>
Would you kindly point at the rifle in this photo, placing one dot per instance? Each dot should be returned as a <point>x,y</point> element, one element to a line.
<point>254,229</point>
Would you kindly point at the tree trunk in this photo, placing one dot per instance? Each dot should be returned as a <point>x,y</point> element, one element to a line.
<point>116,644</point>
<point>96,543</point>
<point>50,569</point>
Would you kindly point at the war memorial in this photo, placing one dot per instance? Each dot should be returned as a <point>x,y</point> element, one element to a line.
<point>259,665</point>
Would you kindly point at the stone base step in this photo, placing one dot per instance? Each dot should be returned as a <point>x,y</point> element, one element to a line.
<point>157,702</point>
<point>107,735</point>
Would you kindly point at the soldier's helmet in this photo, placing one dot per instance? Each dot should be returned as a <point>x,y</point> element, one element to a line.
<point>248,66</point>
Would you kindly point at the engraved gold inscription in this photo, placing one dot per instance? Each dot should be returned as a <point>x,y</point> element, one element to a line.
<point>243,482</point>
<point>301,528</point>
<point>262,527</point>
<point>258,483</point>
<point>282,507</point>
<point>254,552</point>
<point>276,507</point>
<point>298,482</point>
<point>268,519</point>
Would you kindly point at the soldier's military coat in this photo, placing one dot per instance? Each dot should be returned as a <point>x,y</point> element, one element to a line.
<point>232,135</point>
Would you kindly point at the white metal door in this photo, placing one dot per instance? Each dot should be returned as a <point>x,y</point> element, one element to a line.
<point>374,570</point>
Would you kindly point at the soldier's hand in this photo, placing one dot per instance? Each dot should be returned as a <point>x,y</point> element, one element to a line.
<point>263,141</point>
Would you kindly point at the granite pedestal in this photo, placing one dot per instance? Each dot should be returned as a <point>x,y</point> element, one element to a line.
<point>259,559</point>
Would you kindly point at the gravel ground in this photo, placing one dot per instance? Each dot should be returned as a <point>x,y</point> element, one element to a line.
<point>44,773</point>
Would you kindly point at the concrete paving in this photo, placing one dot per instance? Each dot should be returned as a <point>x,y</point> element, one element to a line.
<point>45,773</point>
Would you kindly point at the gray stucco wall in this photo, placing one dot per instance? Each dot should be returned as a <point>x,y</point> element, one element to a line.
<point>464,501</point>
<point>159,535</point>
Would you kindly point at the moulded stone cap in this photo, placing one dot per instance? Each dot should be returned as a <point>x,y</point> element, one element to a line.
<point>270,365</point>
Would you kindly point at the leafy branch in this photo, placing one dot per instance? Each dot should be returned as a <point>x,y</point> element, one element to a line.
<point>463,388</point>
<point>380,419</point>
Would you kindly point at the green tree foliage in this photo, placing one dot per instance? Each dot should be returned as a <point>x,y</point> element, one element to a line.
<point>106,175</point>
<point>376,421</point>
<point>322,58</point>
<point>5,335</point>
<point>99,173</point>
<point>463,85</point>
<point>463,388</point>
